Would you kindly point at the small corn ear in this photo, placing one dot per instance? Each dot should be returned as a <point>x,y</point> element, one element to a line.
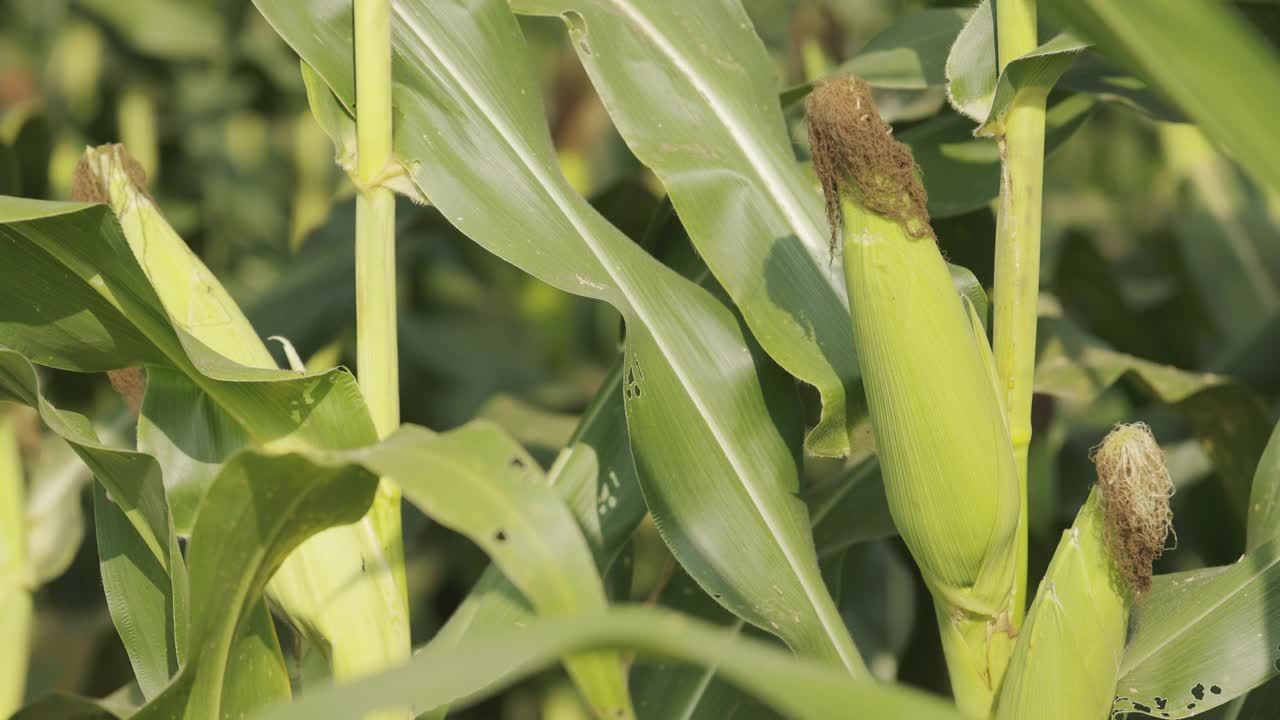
<point>943,443</point>
<point>1067,660</point>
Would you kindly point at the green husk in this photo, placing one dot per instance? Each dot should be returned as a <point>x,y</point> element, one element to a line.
<point>943,443</point>
<point>1067,660</point>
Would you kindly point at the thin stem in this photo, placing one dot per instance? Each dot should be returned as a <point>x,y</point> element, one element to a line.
<point>1017,267</point>
<point>376,352</point>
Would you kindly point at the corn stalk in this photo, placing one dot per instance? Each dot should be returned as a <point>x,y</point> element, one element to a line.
<point>1017,267</point>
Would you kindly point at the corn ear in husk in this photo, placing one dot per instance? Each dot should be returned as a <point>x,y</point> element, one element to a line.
<point>941,432</point>
<point>1067,659</point>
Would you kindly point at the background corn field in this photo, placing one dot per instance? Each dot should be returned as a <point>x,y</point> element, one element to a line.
<point>688,205</point>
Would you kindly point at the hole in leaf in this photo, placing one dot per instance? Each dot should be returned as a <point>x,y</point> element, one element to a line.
<point>1141,708</point>
<point>1161,703</point>
<point>517,462</point>
<point>1215,690</point>
<point>1197,692</point>
<point>500,536</point>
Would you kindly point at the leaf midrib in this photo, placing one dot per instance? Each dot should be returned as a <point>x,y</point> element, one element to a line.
<point>555,192</point>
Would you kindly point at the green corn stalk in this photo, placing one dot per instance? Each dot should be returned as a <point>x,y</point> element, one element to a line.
<point>939,425</point>
<point>1067,659</point>
<point>355,611</point>
<point>15,583</point>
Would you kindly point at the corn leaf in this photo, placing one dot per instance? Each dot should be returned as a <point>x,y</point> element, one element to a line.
<point>692,386</point>
<point>1204,637</point>
<point>475,480</point>
<point>692,90</point>
<point>595,476</point>
<point>75,296</point>
<point>1229,420</point>
<point>257,511</point>
<point>980,91</point>
<point>1220,91</point>
<point>143,572</point>
<point>797,687</point>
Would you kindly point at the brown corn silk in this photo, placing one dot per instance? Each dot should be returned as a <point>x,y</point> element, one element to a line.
<point>1136,488</point>
<point>852,145</point>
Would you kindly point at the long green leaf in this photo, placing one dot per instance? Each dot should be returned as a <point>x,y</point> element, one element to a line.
<point>1229,420</point>
<point>481,667</point>
<point>140,595</point>
<point>1204,637</point>
<point>695,402</point>
<point>693,93</point>
<point>1221,91</point>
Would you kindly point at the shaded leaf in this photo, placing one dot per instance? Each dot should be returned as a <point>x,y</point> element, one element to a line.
<point>483,666</point>
<point>1229,420</point>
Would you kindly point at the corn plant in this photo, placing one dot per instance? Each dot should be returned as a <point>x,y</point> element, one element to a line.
<point>806,436</point>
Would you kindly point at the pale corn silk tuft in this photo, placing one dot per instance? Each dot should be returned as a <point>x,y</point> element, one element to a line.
<point>1136,488</point>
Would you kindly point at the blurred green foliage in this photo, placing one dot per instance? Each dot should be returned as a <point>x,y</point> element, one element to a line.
<point>1155,245</point>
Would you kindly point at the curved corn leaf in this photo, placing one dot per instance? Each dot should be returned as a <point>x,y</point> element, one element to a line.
<point>909,54</point>
<point>693,92</point>
<point>797,687</point>
<point>1229,420</point>
<point>475,480</point>
<point>980,91</point>
<point>1204,637</point>
<point>694,397</point>
<point>850,510</point>
<point>257,511</point>
<point>74,296</point>
<point>1154,40</point>
<point>595,476</point>
<point>55,519</point>
<point>143,571</point>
